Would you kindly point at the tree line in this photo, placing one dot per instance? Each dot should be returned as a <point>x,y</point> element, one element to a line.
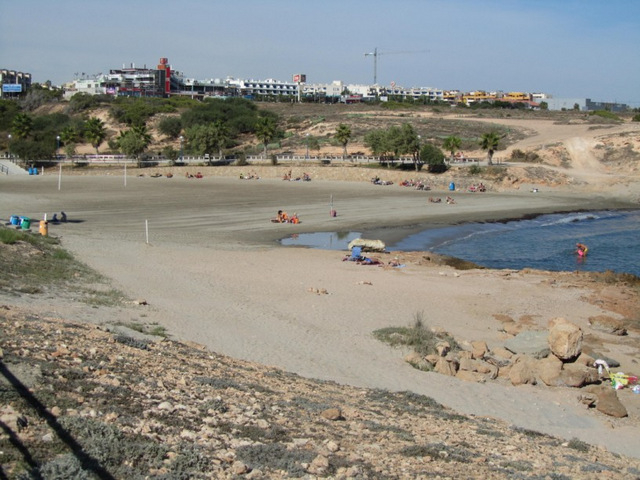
<point>202,127</point>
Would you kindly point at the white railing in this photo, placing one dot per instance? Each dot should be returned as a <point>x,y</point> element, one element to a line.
<point>109,159</point>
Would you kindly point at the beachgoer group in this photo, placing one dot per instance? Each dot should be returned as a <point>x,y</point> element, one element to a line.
<point>282,217</point>
<point>376,181</point>
<point>250,176</point>
<point>288,177</point>
<point>477,188</point>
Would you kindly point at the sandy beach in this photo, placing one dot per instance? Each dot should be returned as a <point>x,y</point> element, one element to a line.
<point>205,257</point>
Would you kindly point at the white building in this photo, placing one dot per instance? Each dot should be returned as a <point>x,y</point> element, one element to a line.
<point>263,87</point>
<point>333,89</point>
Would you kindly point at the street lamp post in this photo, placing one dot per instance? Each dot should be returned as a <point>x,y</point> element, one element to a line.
<point>57,146</point>
<point>181,149</point>
<point>307,156</point>
<point>9,137</point>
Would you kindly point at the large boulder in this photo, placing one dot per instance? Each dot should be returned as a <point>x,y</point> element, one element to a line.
<point>418,361</point>
<point>548,370</point>
<point>554,373</point>
<point>532,343</point>
<point>469,376</point>
<point>607,401</point>
<point>483,369</point>
<point>523,371</point>
<point>576,375</point>
<point>446,367</point>
<point>501,353</point>
<point>565,339</point>
<point>467,364</point>
<point>479,349</point>
<point>607,324</point>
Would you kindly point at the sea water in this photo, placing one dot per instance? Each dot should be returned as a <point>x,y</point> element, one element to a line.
<point>547,242</point>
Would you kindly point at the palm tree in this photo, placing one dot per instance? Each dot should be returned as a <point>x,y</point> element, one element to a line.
<point>452,144</point>
<point>490,142</point>
<point>95,132</point>
<point>21,125</point>
<point>343,135</point>
<point>69,137</point>
<point>266,130</point>
<point>134,141</point>
<point>141,131</point>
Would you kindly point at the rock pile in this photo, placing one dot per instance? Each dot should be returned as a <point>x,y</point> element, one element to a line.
<point>553,358</point>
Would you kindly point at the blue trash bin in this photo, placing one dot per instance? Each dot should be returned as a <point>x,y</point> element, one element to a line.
<point>30,171</point>
<point>452,186</point>
<point>15,220</point>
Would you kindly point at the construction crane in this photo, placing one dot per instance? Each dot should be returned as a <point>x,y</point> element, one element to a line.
<point>375,54</point>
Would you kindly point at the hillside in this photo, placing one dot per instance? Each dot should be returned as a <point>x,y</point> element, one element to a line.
<point>80,401</point>
<point>538,148</point>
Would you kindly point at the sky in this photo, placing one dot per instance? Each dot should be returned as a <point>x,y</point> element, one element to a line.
<point>565,48</point>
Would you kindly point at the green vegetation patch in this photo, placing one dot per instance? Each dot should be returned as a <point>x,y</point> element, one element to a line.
<point>419,337</point>
<point>439,452</point>
<point>37,264</point>
<point>518,155</point>
<point>275,456</point>
<point>606,115</point>
<point>578,445</point>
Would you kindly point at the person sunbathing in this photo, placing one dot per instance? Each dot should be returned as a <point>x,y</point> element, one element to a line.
<point>394,263</point>
<point>368,261</point>
<point>282,217</point>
